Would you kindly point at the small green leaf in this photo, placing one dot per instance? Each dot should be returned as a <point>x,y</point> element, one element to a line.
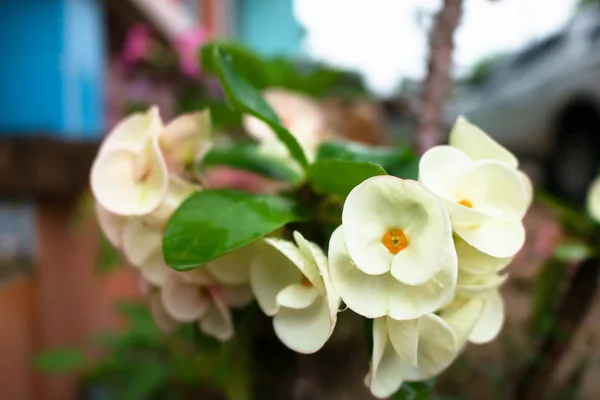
<point>569,252</point>
<point>211,223</point>
<point>59,360</point>
<point>247,156</point>
<point>248,100</point>
<point>415,390</point>
<point>339,177</point>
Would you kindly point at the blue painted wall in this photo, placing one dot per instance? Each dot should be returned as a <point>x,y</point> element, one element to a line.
<point>52,67</point>
<point>269,26</point>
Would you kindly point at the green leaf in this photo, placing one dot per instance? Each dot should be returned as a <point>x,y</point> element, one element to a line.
<point>397,161</point>
<point>248,100</point>
<point>59,360</point>
<point>247,156</point>
<point>415,390</point>
<point>570,252</point>
<point>145,378</point>
<point>339,177</point>
<point>211,223</point>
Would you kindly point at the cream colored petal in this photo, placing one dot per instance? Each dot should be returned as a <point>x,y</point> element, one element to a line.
<point>162,319</point>
<point>437,349</point>
<point>304,330</point>
<point>385,376</point>
<point>593,200</point>
<point>439,169</point>
<point>297,296</point>
<point>375,296</point>
<point>270,272</point>
<point>314,261</point>
<point>237,296</point>
<point>404,336</point>
<point>187,138</point>
<point>141,242</point>
<point>155,271</point>
<point>382,203</point>
<point>184,301</point>
<point>117,186</point>
<point>477,144</point>
<point>494,188</point>
<point>469,283</point>
<point>217,322</point>
<point>496,237</point>
<point>462,315</point>
<point>461,215</point>
<point>200,276</point>
<point>475,262</point>
<point>528,186</point>
<point>490,323</point>
<point>258,129</point>
<point>178,191</point>
<point>233,268</point>
<point>134,131</point>
<point>112,225</point>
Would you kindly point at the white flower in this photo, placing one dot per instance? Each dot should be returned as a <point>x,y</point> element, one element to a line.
<point>112,225</point>
<point>142,236</point>
<point>483,191</point>
<point>198,295</point>
<point>292,284</point>
<point>411,350</point>
<point>593,200</point>
<point>297,113</point>
<point>393,255</point>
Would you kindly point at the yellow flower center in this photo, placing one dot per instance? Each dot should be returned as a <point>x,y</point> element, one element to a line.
<point>466,203</point>
<point>305,282</point>
<point>395,241</point>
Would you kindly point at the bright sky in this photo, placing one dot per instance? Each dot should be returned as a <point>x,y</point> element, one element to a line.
<point>387,39</point>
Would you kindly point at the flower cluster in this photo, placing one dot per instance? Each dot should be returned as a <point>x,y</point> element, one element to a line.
<point>422,259</point>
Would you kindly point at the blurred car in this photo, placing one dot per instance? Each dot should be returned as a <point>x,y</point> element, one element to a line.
<point>543,103</point>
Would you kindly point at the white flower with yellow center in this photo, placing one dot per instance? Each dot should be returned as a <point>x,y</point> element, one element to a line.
<point>483,191</point>
<point>297,113</point>
<point>393,255</point>
<point>206,294</point>
<point>593,200</point>
<point>292,284</point>
<point>142,236</point>
<point>410,350</point>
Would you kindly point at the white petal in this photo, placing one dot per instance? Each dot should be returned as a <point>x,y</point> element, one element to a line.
<point>161,318</point>
<point>462,315</point>
<point>440,167</point>
<point>141,242</point>
<point>237,296</point>
<point>270,272</point>
<point>490,323</point>
<point>385,376</point>
<point>178,191</point>
<point>155,270</point>
<point>134,131</point>
<point>528,188</point>
<point>495,237</point>
<point>115,184</point>
<point>184,301</point>
<point>112,225</point>
<point>437,349</point>
<point>475,262</point>
<point>217,322</point>
<point>469,283</point>
<point>187,137</point>
<point>593,200</point>
<point>382,203</point>
<point>461,215</point>
<point>198,276</point>
<point>304,330</point>
<point>258,129</point>
<point>233,268</point>
<point>297,296</point>
<point>494,188</point>
<point>404,336</point>
<point>375,296</point>
<point>477,144</point>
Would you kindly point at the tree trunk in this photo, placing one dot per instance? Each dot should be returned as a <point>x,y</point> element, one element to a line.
<point>435,88</point>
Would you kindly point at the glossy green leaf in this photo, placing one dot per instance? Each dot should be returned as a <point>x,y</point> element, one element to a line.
<point>339,177</point>
<point>211,223</point>
<point>248,100</point>
<point>397,161</point>
<point>247,156</point>
<point>59,360</point>
<point>415,390</point>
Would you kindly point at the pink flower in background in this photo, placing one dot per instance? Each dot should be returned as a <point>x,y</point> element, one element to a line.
<point>137,44</point>
<point>187,46</point>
